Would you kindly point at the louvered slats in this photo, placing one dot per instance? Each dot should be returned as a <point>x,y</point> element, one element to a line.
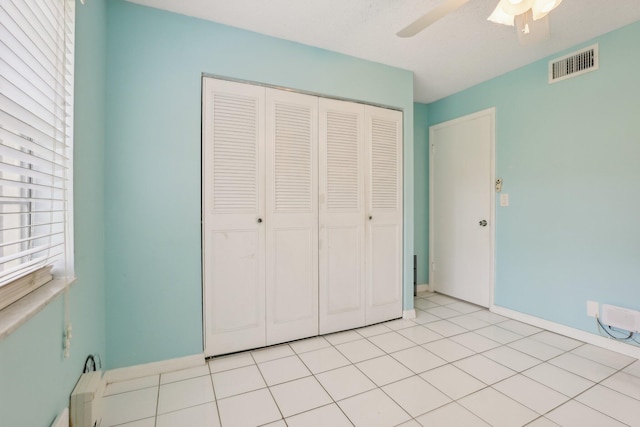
<point>235,154</point>
<point>574,64</point>
<point>384,164</point>
<point>342,161</point>
<point>293,157</point>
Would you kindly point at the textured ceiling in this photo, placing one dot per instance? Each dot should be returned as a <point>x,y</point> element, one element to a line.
<point>457,52</point>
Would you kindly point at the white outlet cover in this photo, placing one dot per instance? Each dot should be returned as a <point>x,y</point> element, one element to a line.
<point>592,309</point>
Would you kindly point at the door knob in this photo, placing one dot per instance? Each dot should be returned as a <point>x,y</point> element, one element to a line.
<point>259,220</point>
<point>370,217</point>
<point>483,223</point>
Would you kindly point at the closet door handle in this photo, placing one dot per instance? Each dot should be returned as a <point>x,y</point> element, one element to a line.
<point>370,217</point>
<point>259,220</point>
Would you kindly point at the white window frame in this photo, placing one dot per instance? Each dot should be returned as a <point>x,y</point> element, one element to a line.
<point>36,154</point>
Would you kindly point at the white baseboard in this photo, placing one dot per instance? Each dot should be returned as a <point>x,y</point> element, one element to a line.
<point>597,340</point>
<point>423,287</point>
<point>153,368</point>
<point>409,314</point>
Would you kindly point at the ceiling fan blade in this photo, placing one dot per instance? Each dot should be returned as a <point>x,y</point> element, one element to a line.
<point>443,9</point>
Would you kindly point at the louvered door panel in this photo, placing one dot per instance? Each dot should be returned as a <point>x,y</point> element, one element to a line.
<point>293,130</point>
<point>292,216</point>
<point>384,214</point>
<point>343,146</point>
<point>341,210</point>
<point>233,201</point>
<point>235,154</point>
<point>384,164</point>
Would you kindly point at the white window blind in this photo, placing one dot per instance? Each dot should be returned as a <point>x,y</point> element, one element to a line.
<point>36,126</point>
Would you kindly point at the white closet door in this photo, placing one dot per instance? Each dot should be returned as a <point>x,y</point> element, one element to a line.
<point>342,293</point>
<point>292,216</point>
<point>383,135</point>
<point>233,204</point>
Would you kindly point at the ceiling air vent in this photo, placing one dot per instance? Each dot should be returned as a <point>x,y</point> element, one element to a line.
<point>574,64</point>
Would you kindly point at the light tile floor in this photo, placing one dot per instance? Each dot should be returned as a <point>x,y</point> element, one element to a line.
<point>454,365</point>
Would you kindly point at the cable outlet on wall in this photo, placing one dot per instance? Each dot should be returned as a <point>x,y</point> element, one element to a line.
<point>621,318</point>
<point>592,309</point>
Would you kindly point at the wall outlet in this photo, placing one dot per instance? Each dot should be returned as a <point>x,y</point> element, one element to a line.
<point>592,309</point>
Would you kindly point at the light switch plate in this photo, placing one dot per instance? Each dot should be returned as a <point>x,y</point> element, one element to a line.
<point>504,199</point>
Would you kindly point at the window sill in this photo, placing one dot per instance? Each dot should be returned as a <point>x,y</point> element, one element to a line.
<point>25,308</point>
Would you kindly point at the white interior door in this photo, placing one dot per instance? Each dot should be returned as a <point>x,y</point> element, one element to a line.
<point>462,207</point>
<point>292,216</point>
<point>383,191</point>
<point>341,155</point>
<point>233,203</point>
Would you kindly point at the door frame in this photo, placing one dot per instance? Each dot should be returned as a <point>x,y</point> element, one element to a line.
<point>491,113</point>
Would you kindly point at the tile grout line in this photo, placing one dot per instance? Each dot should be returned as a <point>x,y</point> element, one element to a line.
<point>269,387</point>
<point>378,386</point>
<point>322,385</point>
<point>155,418</point>
<point>541,363</point>
<point>545,385</point>
<point>215,398</point>
<point>367,339</point>
<point>569,397</point>
<point>363,373</point>
<point>599,384</point>
<point>313,374</point>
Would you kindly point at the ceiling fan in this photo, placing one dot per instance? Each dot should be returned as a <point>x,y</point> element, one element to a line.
<point>530,17</point>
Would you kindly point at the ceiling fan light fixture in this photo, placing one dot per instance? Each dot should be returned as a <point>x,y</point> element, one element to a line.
<point>499,16</point>
<point>528,16</point>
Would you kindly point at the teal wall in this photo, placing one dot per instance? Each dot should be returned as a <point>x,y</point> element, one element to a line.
<point>569,155</point>
<point>35,380</point>
<point>421,190</point>
<point>155,62</point>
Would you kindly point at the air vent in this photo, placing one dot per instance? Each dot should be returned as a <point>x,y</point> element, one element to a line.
<point>574,64</point>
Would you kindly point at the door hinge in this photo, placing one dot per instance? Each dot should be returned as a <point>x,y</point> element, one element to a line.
<point>433,148</point>
<point>433,266</point>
